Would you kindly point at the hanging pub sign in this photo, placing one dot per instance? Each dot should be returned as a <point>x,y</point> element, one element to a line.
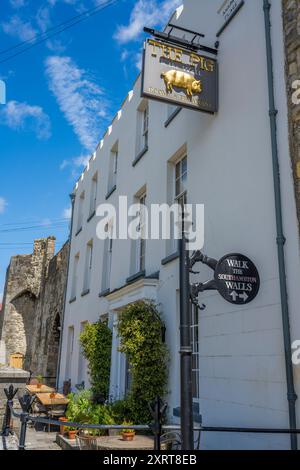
<point>237,279</point>
<point>180,77</point>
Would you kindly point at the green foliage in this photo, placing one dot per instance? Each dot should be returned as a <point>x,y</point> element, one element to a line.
<point>96,343</point>
<point>81,409</point>
<point>140,331</point>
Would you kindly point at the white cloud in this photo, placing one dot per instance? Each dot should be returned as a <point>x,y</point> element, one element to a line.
<point>82,160</point>
<point>18,28</point>
<point>146,13</point>
<point>19,116</point>
<point>64,164</point>
<point>3,205</point>
<point>81,101</point>
<point>67,213</point>
<point>43,18</point>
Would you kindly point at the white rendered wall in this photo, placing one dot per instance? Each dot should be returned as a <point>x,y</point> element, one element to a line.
<point>242,371</point>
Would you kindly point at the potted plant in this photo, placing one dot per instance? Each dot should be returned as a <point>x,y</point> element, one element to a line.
<point>40,381</point>
<point>71,432</point>
<point>128,434</point>
<point>62,428</point>
<point>52,395</point>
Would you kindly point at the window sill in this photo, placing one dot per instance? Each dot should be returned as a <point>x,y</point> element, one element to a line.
<point>112,190</point>
<point>170,258</point>
<point>78,231</point>
<point>104,293</point>
<point>136,276</point>
<point>197,417</point>
<point>85,292</point>
<point>91,216</point>
<point>139,156</point>
<point>71,301</point>
<point>172,116</point>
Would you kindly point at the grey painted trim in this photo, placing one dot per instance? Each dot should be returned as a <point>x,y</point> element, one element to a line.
<point>112,190</point>
<point>173,116</point>
<point>139,156</point>
<point>170,258</point>
<point>197,417</point>
<point>280,238</point>
<point>85,292</point>
<point>230,19</point>
<point>135,276</point>
<point>104,293</point>
<point>91,216</point>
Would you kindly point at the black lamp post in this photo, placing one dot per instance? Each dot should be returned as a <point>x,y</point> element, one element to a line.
<point>185,349</point>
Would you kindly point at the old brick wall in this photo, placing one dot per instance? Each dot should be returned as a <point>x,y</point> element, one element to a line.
<point>291,24</point>
<point>33,304</point>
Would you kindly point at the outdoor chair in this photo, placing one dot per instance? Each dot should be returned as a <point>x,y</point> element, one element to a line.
<point>171,440</point>
<point>55,413</point>
<point>87,442</point>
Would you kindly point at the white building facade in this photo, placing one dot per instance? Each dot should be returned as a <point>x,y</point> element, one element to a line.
<point>223,161</point>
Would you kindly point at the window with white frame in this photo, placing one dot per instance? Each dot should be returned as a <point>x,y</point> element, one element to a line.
<point>75,277</point>
<point>80,211</point>
<point>113,167</point>
<point>195,353</point>
<point>107,258</point>
<point>177,193</point>
<point>94,191</point>
<point>143,127</point>
<point>141,242</point>
<point>88,267</point>
<point>82,362</point>
<point>70,347</point>
<point>181,181</point>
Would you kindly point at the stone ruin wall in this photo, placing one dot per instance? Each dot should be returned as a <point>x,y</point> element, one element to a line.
<point>33,305</point>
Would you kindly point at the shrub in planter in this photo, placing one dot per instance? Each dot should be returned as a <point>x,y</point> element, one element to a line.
<point>96,343</point>
<point>81,409</point>
<point>140,331</point>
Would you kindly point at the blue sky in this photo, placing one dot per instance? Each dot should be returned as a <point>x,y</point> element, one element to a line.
<point>61,95</point>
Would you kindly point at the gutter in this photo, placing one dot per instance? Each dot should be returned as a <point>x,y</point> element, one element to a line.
<point>72,197</point>
<point>291,395</point>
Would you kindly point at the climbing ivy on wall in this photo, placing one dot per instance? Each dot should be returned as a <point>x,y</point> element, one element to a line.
<point>96,343</point>
<point>140,331</point>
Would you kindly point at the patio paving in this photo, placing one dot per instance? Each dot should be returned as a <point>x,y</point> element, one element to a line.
<point>40,440</point>
<point>9,443</point>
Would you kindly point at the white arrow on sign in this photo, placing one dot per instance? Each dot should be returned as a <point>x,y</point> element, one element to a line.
<point>234,295</point>
<point>243,296</point>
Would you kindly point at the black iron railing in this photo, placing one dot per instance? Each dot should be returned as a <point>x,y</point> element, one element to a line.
<point>158,429</point>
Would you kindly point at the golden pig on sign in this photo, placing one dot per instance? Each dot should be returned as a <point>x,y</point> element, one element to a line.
<point>182,80</point>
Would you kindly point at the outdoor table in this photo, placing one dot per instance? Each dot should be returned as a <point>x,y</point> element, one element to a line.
<point>33,389</point>
<point>117,443</point>
<point>46,400</point>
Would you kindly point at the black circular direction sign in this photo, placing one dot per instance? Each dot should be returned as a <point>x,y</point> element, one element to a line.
<point>237,279</point>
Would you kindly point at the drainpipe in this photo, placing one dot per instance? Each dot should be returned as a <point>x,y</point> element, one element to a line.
<point>72,197</point>
<point>291,395</point>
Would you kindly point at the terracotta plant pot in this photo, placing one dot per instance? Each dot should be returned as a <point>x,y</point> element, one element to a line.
<point>52,395</point>
<point>72,435</point>
<point>128,436</point>
<point>39,385</point>
<point>62,428</point>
